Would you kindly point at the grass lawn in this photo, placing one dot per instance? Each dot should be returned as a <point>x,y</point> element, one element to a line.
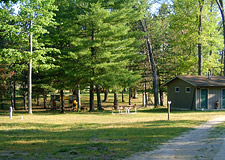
<point>50,135</point>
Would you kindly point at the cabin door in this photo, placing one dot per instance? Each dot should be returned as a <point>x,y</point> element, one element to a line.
<point>223,99</point>
<point>204,98</point>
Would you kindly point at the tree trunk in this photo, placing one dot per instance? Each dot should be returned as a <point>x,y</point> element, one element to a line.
<point>153,65</point>
<point>78,98</point>
<point>25,101</point>
<point>161,97</point>
<point>149,97</point>
<point>143,100</point>
<point>131,92</point>
<point>62,101</point>
<point>116,102</point>
<point>130,96</point>
<point>45,100</point>
<point>30,76</point>
<point>99,105</point>
<point>14,93</point>
<point>106,92</point>
<point>123,96</point>
<point>2,104</point>
<point>11,95</point>
<point>135,94</point>
<point>146,99</point>
<point>200,62</point>
<point>38,100</point>
<point>24,96</point>
<point>93,54</point>
<point>145,86</point>
<point>200,59</point>
<point>221,8</point>
<point>75,93</point>
<point>91,97</point>
<point>161,94</point>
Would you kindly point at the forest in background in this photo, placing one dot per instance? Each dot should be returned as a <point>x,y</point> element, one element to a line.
<point>110,45</point>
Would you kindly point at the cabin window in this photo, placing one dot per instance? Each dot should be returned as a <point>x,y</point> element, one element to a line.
<point>188,90</point>
<point>177,89</point>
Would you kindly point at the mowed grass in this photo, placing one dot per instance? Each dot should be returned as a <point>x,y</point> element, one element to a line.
<point>51,135</point>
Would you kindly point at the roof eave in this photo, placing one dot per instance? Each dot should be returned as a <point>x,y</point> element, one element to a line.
<point>165,84</point>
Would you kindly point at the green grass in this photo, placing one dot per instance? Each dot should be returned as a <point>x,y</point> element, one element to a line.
<point>100,135</point>
<point>218,130</point>
<point>50,135</point>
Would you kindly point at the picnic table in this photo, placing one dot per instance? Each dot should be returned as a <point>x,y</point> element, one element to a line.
<point>127,109</point>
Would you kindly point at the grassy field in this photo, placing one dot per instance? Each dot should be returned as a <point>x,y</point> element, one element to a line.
<point>50,135</point>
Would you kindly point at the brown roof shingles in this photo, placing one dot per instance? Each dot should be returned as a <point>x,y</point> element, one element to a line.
<point>202,81</point>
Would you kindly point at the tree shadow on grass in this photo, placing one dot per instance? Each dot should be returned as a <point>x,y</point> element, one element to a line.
<point>155,110</point>
<point>85,141</point>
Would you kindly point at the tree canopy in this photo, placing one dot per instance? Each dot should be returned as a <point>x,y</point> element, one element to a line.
<point>110,44</point>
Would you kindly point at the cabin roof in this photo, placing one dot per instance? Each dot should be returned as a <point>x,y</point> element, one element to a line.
<point>201,81</point>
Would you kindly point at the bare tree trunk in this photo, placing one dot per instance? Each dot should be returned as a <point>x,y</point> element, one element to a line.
<point>221,7</point>
<point>123,96</point>
<point>2,104</point>
<point>161,94</point>
<point>24,96</point>
<point>62,101</point>
<point>200,62</point>
<point>75,93</point>
<point>38,100</point>
<point>145,86</point>
<point>25,101</point>
<point>145,92</point>
<point>116,102</point>
<point>131,93</point>
<point>93,54</point>
<point>106,92</point>
<point>30,75</point>
<point>14,93</point>
<point>143,100</point>
<point>99,105</point>
<point>211,35</point>
<point>45,100</point>
<point>149,97</point>
<point>78,98</point>
<point>91,97</point>
<point>130,96</point>
<point>153,65</point>
<point>161,97</point>
<point>11,95</point>
<point>135,94</point>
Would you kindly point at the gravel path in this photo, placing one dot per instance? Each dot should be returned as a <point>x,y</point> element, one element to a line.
<point>196,144</point>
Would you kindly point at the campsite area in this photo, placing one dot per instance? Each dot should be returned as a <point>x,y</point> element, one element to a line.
<point>47,134</point>
<point>111,79</point>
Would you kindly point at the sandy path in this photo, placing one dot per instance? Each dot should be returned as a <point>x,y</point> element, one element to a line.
<point>195,144</point>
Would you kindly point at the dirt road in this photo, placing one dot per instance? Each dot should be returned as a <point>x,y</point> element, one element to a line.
<point>196,144</point>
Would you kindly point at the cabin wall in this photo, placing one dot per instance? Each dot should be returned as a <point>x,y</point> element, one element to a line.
<point>181,100</point>
<point>214,94</point>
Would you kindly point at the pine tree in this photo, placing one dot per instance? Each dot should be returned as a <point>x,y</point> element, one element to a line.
<point>97,43</point>
<point>32,19</point>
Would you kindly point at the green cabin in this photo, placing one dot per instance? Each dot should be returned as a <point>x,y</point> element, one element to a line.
<point>196,92</point>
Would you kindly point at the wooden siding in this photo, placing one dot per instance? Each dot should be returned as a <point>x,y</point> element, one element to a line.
<point>181,100</point>
<point>198,97</point>
<point>214,94</point>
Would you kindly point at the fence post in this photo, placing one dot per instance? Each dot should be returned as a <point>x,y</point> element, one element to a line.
<point>10,112</point>
<point>169,103</point>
